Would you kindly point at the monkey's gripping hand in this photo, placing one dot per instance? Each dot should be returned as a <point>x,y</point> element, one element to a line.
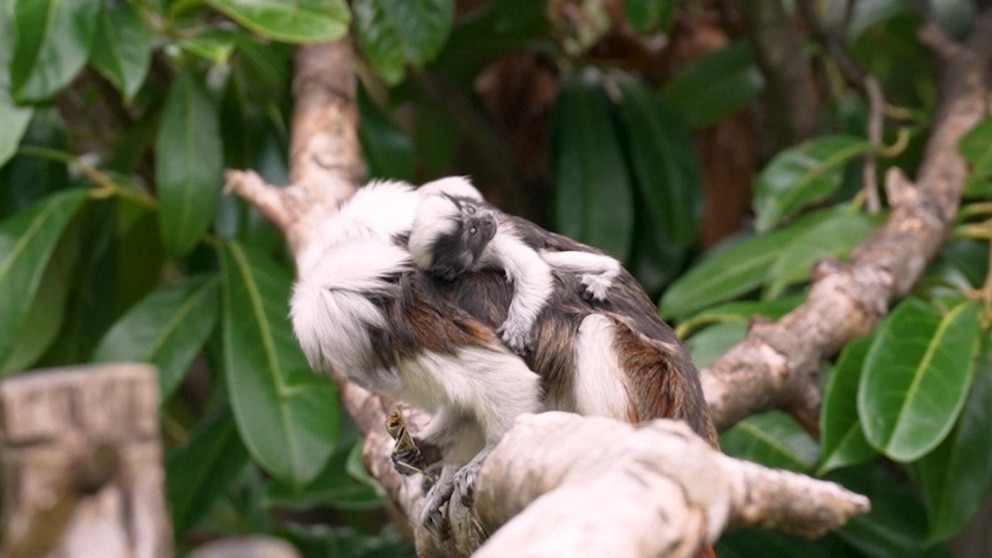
<point>596,285</point>
<point>516,335</point>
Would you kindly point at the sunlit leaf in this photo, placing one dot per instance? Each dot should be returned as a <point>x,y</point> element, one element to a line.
<point>27,241</point>
<point>916,377</point>
<point>122,50</point>
<point>842,440</point>
<point>773,439</point>
<point>741,311</point>
<point>802,175</point>
<point>286,414</point>
<point>188,164</point>
<point>397,34</point>
<point>166,328</point>
<point>706,345</point>
<point>52,43</point>
<point>302,21</point>
<point>592,188</point>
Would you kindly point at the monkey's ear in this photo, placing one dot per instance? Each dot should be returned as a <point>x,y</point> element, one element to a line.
<point>458,186</point>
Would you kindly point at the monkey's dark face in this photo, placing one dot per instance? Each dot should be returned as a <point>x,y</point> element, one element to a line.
<point>469,228</point>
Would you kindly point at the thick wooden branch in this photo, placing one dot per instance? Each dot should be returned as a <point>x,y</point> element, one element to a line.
<point>600,487</point>
<point>776,364</point>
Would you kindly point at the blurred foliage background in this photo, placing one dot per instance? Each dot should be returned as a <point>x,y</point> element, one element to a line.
<point>718,148</point>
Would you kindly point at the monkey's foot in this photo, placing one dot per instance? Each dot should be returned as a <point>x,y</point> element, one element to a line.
<point>596,285</point>
<point>434,518</point>
<point>515,336</point>
<point>464,482</point>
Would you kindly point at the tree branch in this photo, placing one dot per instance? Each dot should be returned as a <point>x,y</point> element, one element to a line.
<point>776,364</point>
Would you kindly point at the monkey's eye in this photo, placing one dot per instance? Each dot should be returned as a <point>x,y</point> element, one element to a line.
<point>470,210</point>
<point>473,231</point>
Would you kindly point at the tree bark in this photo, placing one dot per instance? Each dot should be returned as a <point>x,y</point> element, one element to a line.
<point>82,464</point>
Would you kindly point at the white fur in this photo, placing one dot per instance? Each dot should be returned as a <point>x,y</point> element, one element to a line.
<point>436,216</point>
<point>598,270</point>
<point>532,284</point>
<point>487,385</point>
<point>453,186</point>
<point>599,386</point>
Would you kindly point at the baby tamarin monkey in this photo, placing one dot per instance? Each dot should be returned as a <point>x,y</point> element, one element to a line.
<point>455,231</point>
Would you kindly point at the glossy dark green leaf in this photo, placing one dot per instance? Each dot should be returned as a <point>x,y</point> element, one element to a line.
<point>397,34</point>
<point>916,377</point>
<point>287,415</point>
<point>734,268</point>
<point>122,50</point>
<point>842,440</point>
<point>663,160</point>
<point>706,345</point>
<point>331,487</point>
<point>14,117</point>
<point>166,328</point>
<point>741,312</point>
<point>957,475</point>
<point>203,469</point>
<point>835,238</point>
<point>188,164</point>
<point>773,439</point>
<point>53,39</point>
<point>388,153</point>
<point>714,86</point>
<point>302,21</point>
<point>896,524</point>
<point>27,241</point>
<point>802,175</point>
<point>593,195</point>
<point>649,15</point>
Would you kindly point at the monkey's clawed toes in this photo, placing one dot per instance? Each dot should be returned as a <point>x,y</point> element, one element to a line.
<point>465,482</point>
<point>434,517</point>
<point>515,339</point>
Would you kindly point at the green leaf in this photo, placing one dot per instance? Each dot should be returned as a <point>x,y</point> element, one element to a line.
<point>166,328</point>
<point>395,34</point>
<point>956,476</point>
<point>53,39</point>
<point>592,188</point>
<point>773,439</point>
<point>648,15</point>
<point>301,21</point>
<point>835,237</point>
<point>27,241</point>
<point>188,165</point>
<point>916,377</point>
<point>736,267</point>
<point>203,469</point>
<point>663,161</point>
<point>802,175</point>
<point>976,148</point>
<point>122,50</point>
<point>286,414</point>
<point>706,345</point>
<point>330,487</point>
<point>214,45</point>
<point>741,312</point>
<point>842,440</point>
<point>714,86</point>
<point>388,153</point>
<point>15,122</point>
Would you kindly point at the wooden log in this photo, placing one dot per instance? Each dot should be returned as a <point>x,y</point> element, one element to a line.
<point>81,461</point>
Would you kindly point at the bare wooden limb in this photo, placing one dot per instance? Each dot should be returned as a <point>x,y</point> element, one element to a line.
<point>600,487</point>
<point>82,464</point>
<point>776,364</point>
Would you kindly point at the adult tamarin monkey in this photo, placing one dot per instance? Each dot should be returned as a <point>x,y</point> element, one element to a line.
<point>362,306</point>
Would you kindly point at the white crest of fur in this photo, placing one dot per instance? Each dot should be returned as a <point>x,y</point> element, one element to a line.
<point>599,386</point>
<point>458,186</point>
<point>436,216</point>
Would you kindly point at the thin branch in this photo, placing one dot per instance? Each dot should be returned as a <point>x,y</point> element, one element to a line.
<point>776,364</point>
